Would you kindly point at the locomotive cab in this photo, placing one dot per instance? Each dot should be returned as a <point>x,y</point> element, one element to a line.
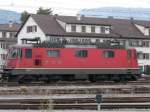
<point>14,54</point>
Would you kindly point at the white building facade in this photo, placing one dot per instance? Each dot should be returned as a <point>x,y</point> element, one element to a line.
<point>7,37</point>
<point>133,34</point>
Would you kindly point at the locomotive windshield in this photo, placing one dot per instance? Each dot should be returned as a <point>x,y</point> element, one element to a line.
<point>14,53</point>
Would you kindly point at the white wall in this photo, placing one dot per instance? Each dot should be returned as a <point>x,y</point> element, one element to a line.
<point>68,28</point>
<point>141,62</point>
<point>0,34</point>
<point>97,29</point>
<point>143,50</point>
<point>2,51</point>
<point>23,33</point>
<point>88,28</point>
<point>78,28</point>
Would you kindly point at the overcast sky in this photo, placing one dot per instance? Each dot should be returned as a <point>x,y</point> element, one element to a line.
<point>69,7</point>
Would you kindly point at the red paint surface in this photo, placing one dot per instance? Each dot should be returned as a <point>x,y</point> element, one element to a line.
<point>68,59</point>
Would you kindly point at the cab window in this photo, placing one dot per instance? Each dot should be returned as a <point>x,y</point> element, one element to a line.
<point>15,53</point>
<point>81,53</point>
<point>53,53</point>
<point>28,53</point>
<point>108,54</point>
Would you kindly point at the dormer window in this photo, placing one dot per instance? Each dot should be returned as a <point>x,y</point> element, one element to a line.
<point>92,29</point>
<point>83,29</point>
<point>103,29</point>
<point>107,29</point>
<point>149,31</point>
<point>73,28</point>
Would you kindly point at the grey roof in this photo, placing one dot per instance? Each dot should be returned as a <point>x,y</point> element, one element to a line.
<point>12,28</point>
<point>48,24</point>
<point>121,28</point>
<point>143,23</point>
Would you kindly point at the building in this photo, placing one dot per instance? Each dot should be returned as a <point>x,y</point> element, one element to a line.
<point>7,37</point>
<point>132,33</point>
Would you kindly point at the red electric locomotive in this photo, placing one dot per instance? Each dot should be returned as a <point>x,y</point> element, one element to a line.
<point>47,62</point>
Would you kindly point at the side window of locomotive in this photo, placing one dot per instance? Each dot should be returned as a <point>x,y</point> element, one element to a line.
<point>81,53</point>
<point>28,53</point>
<point>53,53</point>
<point>108,54</point>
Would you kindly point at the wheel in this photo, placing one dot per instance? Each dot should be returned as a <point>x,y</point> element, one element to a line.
<point>92,78</point>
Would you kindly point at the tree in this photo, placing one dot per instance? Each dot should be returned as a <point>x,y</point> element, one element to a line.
<point>42,11</point>
<point>24,16</point>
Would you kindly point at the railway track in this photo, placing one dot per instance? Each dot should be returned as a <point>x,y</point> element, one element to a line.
<point>93,89</point>
<point>79,95</point>
<point>76,103</point>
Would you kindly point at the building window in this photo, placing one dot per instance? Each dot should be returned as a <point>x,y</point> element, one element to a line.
<point>2,66</point>
<point>81,53</point>
<point>139,43</point>
<point>102,29</point>
<point>11,34</point>
<point>3,56</point>
<point>134,43</point>
<point>83,29</point>
<point>143,56</point>
<point>145,43</point>
<point>4,34</point>
<point>108,54</point>
<point>3,45</point>
<point>31,29</point>
<point>73,28</point>
<point>146,56</point>
<point>53,53</point>
<point>92,29</point>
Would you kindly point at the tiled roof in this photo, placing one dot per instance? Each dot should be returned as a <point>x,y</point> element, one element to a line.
<point>48,24</point>
<point>12,28</point>
<point>121,28</point>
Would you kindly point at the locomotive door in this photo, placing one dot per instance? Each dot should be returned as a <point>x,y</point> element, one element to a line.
<point>37,58</point>
<point>129,58</point>
<point>37,61</point>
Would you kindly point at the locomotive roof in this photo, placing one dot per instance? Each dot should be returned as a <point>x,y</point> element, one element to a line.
<point>22,45</point>
<point>104,45</point>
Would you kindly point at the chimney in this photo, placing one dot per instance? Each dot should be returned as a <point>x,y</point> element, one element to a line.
<point>56,15</point>
<point>10,24</point>
<point>132,20</point>
<point>79,17</point>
